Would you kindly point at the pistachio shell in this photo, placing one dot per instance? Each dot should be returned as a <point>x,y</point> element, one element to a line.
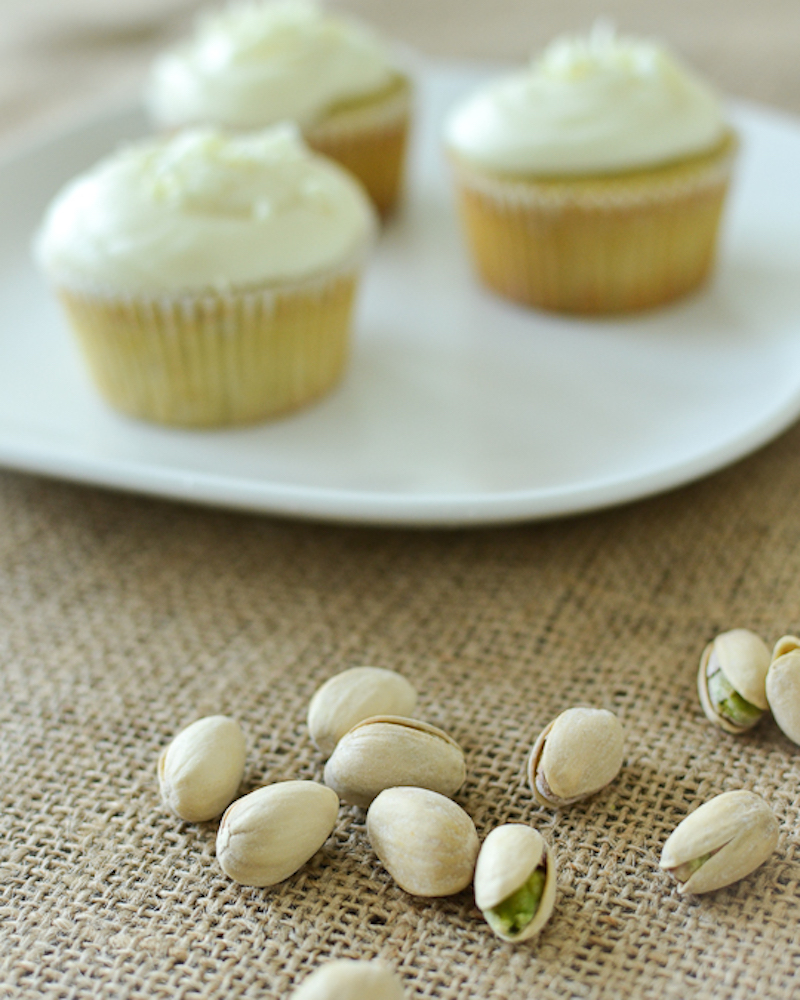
<point>267,835</point>
<point>731,834</point>
<point>783,687</point>
<point>201,770</point>
<point>508,857</point>
<point>353,695</point>
<point>386,751</point>
<point>346,979</point>
<point>786,644</point>
<point>743,658</point>
<point>576,755</point>
<point>425,841</point>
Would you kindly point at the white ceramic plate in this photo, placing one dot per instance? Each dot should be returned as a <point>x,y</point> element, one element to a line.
<point>458,408</point>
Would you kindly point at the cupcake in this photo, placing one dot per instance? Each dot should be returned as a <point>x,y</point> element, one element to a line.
<point>210,279</point>
<point>254,64</point>
<point>593,181</point>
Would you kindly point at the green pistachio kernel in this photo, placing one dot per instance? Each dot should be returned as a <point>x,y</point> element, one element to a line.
<point>682,873</point>
<point>729,703</point>
<point>513,914</point>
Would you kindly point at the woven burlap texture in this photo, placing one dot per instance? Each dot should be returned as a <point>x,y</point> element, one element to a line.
<point>124,619</point>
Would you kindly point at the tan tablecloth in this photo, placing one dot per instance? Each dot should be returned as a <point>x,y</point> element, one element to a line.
<point>122,619</point>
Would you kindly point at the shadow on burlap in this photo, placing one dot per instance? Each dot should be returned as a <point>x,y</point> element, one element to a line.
<point>123,619</point>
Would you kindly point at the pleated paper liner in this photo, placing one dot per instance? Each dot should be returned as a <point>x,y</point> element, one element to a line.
<point>369,138</point>
<point>216,359</point>
<point>597,245</point>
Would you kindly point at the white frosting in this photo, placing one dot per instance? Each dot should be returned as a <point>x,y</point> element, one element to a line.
<point>257,63</point>
<point>588,105</point>
<point>203,210</point>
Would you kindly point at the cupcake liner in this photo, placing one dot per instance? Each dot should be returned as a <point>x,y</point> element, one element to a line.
<point>384,111</point>
<point>598,245</point>
<point>370,141</point>
<point>215,359</point>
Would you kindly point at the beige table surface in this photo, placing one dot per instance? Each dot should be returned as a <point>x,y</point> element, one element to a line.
<point>124,618</point>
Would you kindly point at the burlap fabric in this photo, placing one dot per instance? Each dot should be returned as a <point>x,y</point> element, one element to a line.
<point>122,619</point>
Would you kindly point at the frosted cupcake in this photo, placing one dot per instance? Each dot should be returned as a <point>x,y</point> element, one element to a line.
<point>594,180</point>
<point>210,280</point>
<point>254,64</point>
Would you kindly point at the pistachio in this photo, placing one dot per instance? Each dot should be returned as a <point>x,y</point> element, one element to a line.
<point>267,835</point>
<point>201,769</point>
<point>725,839</point>
<point>346,979</point>
<point>425,841</point>
<point>515,881</point>
<point>783,686</point>
<point>731,680</point>
<point>386,751</point>
<point>353,695</point>
<point>576,755</point>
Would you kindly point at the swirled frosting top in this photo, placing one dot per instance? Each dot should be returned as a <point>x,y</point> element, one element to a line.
<point>256,63</point>
<point>597,104</point>
<point>204,211</point>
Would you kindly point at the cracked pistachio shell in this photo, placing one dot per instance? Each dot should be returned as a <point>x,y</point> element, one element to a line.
<point>424,840</point>
<point>576,755</point>
<point>346,979</point>
<point>200,771</point>
<point>509,856</point>
<point>783,686</point>
<point>743,658</point>
<point>268,835</point>
<point>730,835</point>
<point>386,751</point>
<point>352,696</point>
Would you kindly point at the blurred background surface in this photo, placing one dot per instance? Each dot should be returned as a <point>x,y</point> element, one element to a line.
<point>59,55</point>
